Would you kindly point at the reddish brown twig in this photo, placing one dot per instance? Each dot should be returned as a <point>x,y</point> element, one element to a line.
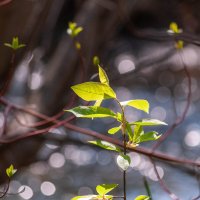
<point>162,184</point>
<point>180,119</point>
<point>5,2</point>
<point>158,155</point>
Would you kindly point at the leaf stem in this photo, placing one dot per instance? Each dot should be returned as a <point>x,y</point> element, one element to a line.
<point>123,128</point>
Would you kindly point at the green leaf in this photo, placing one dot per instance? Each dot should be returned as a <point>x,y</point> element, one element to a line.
<point>15,44</point>
<point>149,136</point>
<point>174,28</point>
<point>148,122</point>
<point>142,197</point>
<point>105,145</point>
<point>123,161</point>
<point>103,76</point>
<point>92,91</point>
<point>78,30</point>
<point>10,171</point>
<point>138,131</point>
<point>119,117</point>
<point>73,29</point>
<point>129,131</point>
<point>114,130</point>
<point>77,45</point>
<point>87,197</point>
<point>96,60</point>
<point>92,112</point>
<point>105,188</point>
<point>139,104</point>
<point>72,25</point>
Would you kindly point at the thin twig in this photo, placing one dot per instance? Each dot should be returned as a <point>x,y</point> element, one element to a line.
<point>180,119</point>
<point>162,184</point>
<point>141,150</point>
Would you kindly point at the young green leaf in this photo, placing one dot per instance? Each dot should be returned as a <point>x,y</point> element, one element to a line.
<point>10,171</point>
<point>114,130</point>
<point>87,197</point>
<point>149,136</point>
<point>139,104</point>
<point>105,145</point>
<point>93,91</point>
<point>138,131</point>
<point>103,76</point>
<point>142,197</point>
<point>92,112</point>
<point>148,122</point>
<point>96,60</point>
<point>129,131</point>
<point>73,29</point>
<point>119,117</point>
<point>15,44</point>
<point>123,161</point>
<point>105,188</point>
<point>174,28</point>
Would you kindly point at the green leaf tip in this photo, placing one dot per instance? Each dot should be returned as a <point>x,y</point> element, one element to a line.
<point>114,130</point>
<point>10,171</point>
<point>103,76</point>
<point>149,136</point>
<point>105,188</point>
<point>142,197</point>
<point>93,91</point>
<point>105,145</point>
<point>74,30</point>
<point>92,112</point>
<point>139,104</point>
<point>86,197</point>
<point>148,122</point>
<point>15,44</point>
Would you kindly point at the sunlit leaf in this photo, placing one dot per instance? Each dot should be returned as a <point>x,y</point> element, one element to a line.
<point>148,122</point>
<point>139,104</point>
<point>105,188</point>
<point>114,130</point>
<point>105,145</point>
<point>78,30</point>
<point>92,91</point>
<point>138,131</point>
<point>92,112</point>
<point>129,131</point>
<point>149,136</point>
<point>119,117</point>
<point>74,30</point>
<point>103,76</point>
<point>123,161</point>
<point>174,28</point>
<point>87,197</point>
<point>10,171</point>
<point>142,197</point>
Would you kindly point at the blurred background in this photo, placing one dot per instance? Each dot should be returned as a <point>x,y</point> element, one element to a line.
<point>140,58</point>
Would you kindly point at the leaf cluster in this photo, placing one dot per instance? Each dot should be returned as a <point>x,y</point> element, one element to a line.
<point>15,44</point>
